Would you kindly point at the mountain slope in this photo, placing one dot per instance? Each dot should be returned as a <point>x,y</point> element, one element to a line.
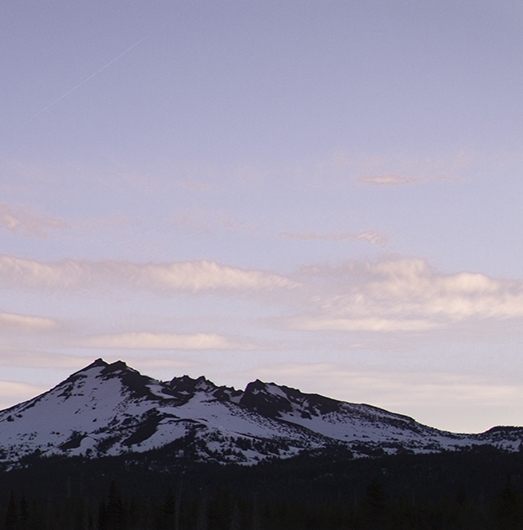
<point>110,409</point>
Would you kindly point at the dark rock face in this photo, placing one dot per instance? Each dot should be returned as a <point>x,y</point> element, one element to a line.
<point>258,398</point>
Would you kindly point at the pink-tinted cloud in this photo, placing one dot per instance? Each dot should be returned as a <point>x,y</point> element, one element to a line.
<point>441,399</point>
<point>26,323</point>
<point>164,341</point>
<point>29,224</point>
<point>395,180</point>
<point>387,180</point>
<point>172,277</point>
<point>371,236</point>
<point>13,392</point>
<point>401,294</point>
<point>326,323</point>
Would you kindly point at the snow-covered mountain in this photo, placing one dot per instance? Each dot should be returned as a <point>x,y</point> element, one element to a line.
<point>111,409</point>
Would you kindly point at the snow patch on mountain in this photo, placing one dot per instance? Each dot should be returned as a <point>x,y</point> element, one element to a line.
<point>112,409</point>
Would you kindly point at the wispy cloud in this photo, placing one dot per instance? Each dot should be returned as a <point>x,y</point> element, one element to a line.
<point>441,399</point>
<point>387,180</point>
<point>30,224</point>
<point>404,169</point>
<point>371,236</point>
<point>188,276</point>
<point>401,294</point>
<point>35,359</point>
<point>345,168</point>
<point>395,180</point>
<point>391,294</point>
<point>13,392</point>
<point>338,169</point>
<point>325,323</point>
<point>26,323</point>
<point>164,341</point>
<point>210,222</point>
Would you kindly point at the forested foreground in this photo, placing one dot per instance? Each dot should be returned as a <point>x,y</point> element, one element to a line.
<point>459,491</point>
<point>223,511</point>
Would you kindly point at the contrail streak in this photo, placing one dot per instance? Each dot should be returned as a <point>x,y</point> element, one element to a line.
<point>90,77</point>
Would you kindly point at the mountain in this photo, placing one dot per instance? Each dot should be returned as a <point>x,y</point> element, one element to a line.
<point>112,409</point>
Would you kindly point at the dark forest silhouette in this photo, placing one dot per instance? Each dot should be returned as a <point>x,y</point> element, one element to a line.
<point>474,489</point>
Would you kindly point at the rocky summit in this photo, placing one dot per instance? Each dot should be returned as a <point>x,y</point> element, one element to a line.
<point>112,409</point>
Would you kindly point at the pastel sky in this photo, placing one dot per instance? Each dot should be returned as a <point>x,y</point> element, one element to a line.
<point>323,194</point>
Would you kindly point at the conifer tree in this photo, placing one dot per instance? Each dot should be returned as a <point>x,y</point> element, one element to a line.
<point>169,511</point>
<point>201,516</point>
<point>236,521</point>
<point>374,505</point>
<point>255,517</point>
<point>11,515</point>
<point>509,508</point>
<point>24,513</point>
<point>115,519</point>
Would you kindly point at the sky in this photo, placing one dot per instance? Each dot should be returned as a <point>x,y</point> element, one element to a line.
<point>323,194</point>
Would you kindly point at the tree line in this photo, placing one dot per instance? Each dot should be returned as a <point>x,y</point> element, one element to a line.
<point>223,510</point>
<point>476,489</point>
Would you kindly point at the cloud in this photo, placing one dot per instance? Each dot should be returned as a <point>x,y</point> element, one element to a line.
<point>401,170</point>
<point>188,276</point>
<point>345,168</point>
<point>360,324</point>
<point>371,236</point>
<point>395,180</point>
<point>26,323</point>
<point>41,359</point>
<point>149,364</point>
<point>444,400</point>
<point>401,294</point>
<point>163,341</point>
<point>387,180</point>
<point>29,224</point>
<point>12,393</point>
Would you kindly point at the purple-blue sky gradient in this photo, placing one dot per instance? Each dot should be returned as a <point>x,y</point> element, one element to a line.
<point>328,195</point>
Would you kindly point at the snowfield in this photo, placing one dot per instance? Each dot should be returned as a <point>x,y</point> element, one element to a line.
<point>111,409</point>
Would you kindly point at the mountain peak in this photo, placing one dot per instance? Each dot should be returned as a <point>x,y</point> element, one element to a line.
<point>265,398</point>
<point>106,367</point>
<point>188,384</point>
<point>109,409</point>
<point>116,366</point>
<point>98,363</point>
<point>255,386</point>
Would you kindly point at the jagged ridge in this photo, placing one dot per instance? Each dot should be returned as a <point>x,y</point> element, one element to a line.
<point>110,409</point>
